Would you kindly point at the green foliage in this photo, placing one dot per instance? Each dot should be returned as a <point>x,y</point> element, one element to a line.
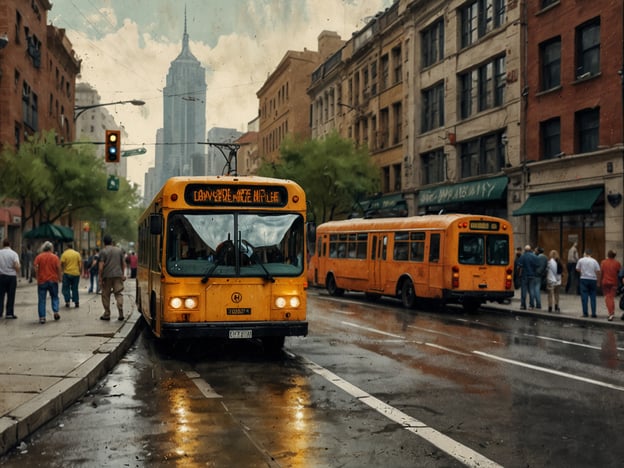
<point>51,182</point>
<point>332,171</point>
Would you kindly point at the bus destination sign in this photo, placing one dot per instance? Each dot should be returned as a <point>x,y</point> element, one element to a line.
<point>235,195</point>
<point>484,225</point>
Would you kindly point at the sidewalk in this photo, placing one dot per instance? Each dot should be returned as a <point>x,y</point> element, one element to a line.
<point>571,309</point>
<point>44,368</point>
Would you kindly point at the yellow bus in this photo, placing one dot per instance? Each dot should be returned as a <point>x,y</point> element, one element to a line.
<point>451,258</point>
<point>223,257</point>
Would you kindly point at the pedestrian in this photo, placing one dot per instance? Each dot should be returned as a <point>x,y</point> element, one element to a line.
<point>527,263</point>
<point>9,269</point>
<point>85,264</point>
<point>517,276</point>
<point>573,257</point>
<point>553,280</point>
<point>134,263</point>
<point>26,266</point>
<point>111,277</point>
<point>542,263</point>
<point>94,268</point>
<point>49,273</point>
<point>609,271</point>
<point>589,272</point>
<point>71,262</point>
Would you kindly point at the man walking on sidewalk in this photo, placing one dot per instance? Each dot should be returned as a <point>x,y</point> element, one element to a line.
<point>9,269</point>
<point>609,270</point>
<point>49,273</point>
<point>71,261</point>
<point>589,271</point>
<point>111,277</point>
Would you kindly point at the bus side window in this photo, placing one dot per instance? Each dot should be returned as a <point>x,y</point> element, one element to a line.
<point>384,247</point>
<point>417,246</point>
<point>434,248</point>
<point>374,248</point>
<point>401,246</point>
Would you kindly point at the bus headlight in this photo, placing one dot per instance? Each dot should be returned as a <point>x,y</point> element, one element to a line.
<point>292,302</point>
<point>183,302</point>
<point>190,303</point>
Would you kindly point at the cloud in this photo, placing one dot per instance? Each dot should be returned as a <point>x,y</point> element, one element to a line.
<point>239,44</point>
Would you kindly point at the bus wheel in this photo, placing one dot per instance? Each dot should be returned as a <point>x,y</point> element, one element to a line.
<point>273,344</point>
<point>408,294</point>
<point>332,289</point>
<point>471,306</point>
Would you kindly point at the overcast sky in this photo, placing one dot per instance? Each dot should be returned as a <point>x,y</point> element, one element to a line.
<point>127,46</point>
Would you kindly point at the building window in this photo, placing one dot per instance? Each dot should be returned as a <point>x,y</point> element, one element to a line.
<point>433,107</point>
<point>480,17</point>
<point>550,132</point>
<point>432,164</point>
<point>588,49</point>
<point>397,117</point>
<point>30,107</point>
<point>396,168</point>
<point>373,74</point>
<point>550,64</point>
<point>432,42</point>
<point>587,129</point>
<point>547,3</point>
<point>385,72</point>
<point>482,88</point>
<point>397,63</point>
<point>483,155</point>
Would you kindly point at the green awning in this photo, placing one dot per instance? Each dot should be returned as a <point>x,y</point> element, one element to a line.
<point>569,201</point>
<point>478,190</point>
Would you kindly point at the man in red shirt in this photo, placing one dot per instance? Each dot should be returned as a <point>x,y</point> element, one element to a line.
<point>49,273</point>
<point>610,268</point>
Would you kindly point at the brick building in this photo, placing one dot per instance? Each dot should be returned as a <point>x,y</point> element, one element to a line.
<point>38,70</point>
<point>284,104</point>
<point>569,184</point>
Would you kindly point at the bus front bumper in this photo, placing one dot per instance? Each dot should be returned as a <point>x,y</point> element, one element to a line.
<point>233,330</point>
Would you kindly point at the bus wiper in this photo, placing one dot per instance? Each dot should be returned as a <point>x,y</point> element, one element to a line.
<point>269,276</point>
<point>209,271</point>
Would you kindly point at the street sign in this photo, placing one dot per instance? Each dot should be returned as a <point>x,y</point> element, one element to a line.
<point>133,152</point>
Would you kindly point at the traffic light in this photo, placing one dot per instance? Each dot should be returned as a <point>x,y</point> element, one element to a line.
<point>112,153</point>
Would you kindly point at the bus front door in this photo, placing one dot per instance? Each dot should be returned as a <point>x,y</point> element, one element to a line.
<point>379,243</point>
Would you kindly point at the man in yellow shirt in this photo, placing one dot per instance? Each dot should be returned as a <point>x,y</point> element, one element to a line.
<point>71,261</point>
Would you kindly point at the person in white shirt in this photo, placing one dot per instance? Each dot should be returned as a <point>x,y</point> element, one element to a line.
<point>589,272</point>
<point>9,269</point>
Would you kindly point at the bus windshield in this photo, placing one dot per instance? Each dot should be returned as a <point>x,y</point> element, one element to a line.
<point>476,249</point>
<point>228,244</point>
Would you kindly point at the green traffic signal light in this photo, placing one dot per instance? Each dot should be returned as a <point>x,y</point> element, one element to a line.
<point>112,143</point>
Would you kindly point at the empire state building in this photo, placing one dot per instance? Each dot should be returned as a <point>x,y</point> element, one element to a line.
<point>184,114</point>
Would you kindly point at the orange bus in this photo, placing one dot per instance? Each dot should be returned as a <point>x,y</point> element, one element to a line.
<point>223,257</point>
<point>452,258</point>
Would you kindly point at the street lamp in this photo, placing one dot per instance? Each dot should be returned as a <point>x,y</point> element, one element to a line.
<point>78,110</point>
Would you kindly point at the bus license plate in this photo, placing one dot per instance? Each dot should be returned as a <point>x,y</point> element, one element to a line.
<point>239,334</point>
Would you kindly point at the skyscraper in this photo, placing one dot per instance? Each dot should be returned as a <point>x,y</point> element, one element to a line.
<point>184,114</point>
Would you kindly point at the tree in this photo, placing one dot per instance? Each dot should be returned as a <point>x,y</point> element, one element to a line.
<point>332,171</point>
<point>51,181</point>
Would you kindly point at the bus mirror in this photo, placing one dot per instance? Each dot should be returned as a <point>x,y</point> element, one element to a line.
<point>155,221</point>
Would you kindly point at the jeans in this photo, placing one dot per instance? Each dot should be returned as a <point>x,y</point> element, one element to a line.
<point>535,295</point>
<point>70,288</point>
<point>42,290</point>
<point>524,288</point>
<point>588,290</point>
<point>8,287</point>
<point>93,282</point>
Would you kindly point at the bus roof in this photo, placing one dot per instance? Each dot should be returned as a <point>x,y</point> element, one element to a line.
<point>440,221</point>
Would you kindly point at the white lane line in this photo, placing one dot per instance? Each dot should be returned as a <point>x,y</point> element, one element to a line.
<point>550,371</point>
<point>460,452</point>
<point>374,330</point>
<point>203,386</point>
<point>444,348</point>
<point>573,343</point>
<point>343,312</point>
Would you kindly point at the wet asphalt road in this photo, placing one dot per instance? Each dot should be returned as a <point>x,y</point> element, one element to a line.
<point>372,385</point>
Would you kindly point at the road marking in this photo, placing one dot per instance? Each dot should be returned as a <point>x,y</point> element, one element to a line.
<point>460,452</point>
<point>550,371</point>
<point>573,343</point>
<point>444,348</point>
<point>374,330</point>
<point>203,386</point>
